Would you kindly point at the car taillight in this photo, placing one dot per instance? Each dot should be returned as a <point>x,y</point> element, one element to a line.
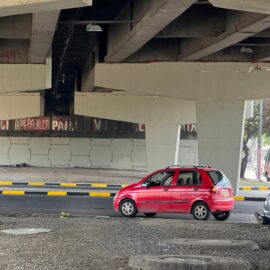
<point>214,190</point>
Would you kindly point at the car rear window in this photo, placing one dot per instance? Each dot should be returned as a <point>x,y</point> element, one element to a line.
<point>219,179</point>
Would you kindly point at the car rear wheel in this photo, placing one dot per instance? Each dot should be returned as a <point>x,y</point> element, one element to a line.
<point>128,208</point>
<point>221,216</point>
<point>200,211</point>
<point>149,214</point>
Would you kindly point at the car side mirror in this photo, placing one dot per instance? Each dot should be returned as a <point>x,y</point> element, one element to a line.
<point>147,185</point>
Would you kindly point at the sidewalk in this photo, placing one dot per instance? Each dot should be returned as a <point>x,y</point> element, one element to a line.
<point>70,175</point>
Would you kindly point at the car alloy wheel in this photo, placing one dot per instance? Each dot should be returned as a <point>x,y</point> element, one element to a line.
<point>128,208</point>
<point>200,211</point>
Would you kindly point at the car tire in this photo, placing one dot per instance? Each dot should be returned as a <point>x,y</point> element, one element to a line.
<point>128,208</point>
<point>221,216</point>
<point>200,211</point>
<point>149,214</point>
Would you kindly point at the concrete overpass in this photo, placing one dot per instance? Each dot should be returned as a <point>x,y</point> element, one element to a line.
<point>163,63</point>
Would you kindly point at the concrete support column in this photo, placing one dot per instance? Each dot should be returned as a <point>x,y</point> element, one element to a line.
<point>220,129</point>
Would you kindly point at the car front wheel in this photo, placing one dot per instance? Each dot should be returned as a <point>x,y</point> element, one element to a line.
<point>221,216</point>
<point>200,211</point>
<point>128,208</point>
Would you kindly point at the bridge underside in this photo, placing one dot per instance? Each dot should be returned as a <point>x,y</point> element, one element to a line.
<point>150,63</point>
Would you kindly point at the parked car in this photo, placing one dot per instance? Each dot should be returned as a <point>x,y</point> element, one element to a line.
<point>265,217</point>
<point>198,190</point>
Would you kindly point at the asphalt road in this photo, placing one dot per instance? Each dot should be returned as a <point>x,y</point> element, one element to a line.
<point>87,206</point>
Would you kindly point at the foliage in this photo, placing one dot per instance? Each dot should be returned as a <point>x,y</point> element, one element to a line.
<point>252,130</point>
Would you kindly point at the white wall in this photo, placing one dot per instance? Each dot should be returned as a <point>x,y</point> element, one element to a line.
<point>84,152</point>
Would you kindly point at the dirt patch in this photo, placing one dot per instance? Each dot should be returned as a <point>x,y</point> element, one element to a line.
<point>90,243</point>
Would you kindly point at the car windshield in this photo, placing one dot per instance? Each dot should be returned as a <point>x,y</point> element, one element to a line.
<point>160,179</point>
<point>219,179</point>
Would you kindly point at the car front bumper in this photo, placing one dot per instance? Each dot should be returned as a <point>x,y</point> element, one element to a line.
<point>266,207</point>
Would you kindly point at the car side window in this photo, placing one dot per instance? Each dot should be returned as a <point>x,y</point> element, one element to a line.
<point>189,178</point>
<point>160,179</point>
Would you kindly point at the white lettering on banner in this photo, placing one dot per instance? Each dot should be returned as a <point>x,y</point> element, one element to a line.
<point>97,124</point>
<point>141,128</point>
<point>62,124</point>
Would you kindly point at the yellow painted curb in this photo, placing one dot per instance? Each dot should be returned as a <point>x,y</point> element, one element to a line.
<point>5,183</point>
<point>98,185</point>
<point>263,188</point>
<point>68,184</point>
<point>99,194</point>
<point>246,188</point>
<point>57,193</point>
<point>239,198</point>
<point>35,184</point>
<point>13,192</point>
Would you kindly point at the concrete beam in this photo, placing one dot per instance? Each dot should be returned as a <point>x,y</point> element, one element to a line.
<point>24,77</point>
<point>16,27</point>
<point>161,116</point>
<point>132,108</point>
<point>258,6</point>
<point>14,51</point>
<point>188,80</point>
<point>153,16</point>
<point>13,106</point>
<point>43,28</point>
<point>15,7</point>
<point>189,25</point>
<point>239,26</point>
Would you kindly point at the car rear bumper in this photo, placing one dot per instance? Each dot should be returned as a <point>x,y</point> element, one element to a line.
<point>222,205</point>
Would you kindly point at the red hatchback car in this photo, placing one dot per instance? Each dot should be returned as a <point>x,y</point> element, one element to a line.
<point>197,190</point>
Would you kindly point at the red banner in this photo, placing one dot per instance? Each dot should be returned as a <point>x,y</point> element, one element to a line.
<point>33,124</point>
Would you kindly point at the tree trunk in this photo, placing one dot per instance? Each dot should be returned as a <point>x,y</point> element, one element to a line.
<point>244,160</point>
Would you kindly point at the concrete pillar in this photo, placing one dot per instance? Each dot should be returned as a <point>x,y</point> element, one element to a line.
<point>220,129</point>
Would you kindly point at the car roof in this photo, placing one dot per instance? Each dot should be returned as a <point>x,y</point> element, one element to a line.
<point>191,167</point>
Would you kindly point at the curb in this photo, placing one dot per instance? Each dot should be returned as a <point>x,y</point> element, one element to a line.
<point>60,184</point>
<point>102,194</point>
<point>251,199</point>
<point>57,193</point>
<point>254,188</point>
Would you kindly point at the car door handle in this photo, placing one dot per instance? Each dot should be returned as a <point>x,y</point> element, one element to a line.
<point>165,189</point>
<point>195,189</point>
